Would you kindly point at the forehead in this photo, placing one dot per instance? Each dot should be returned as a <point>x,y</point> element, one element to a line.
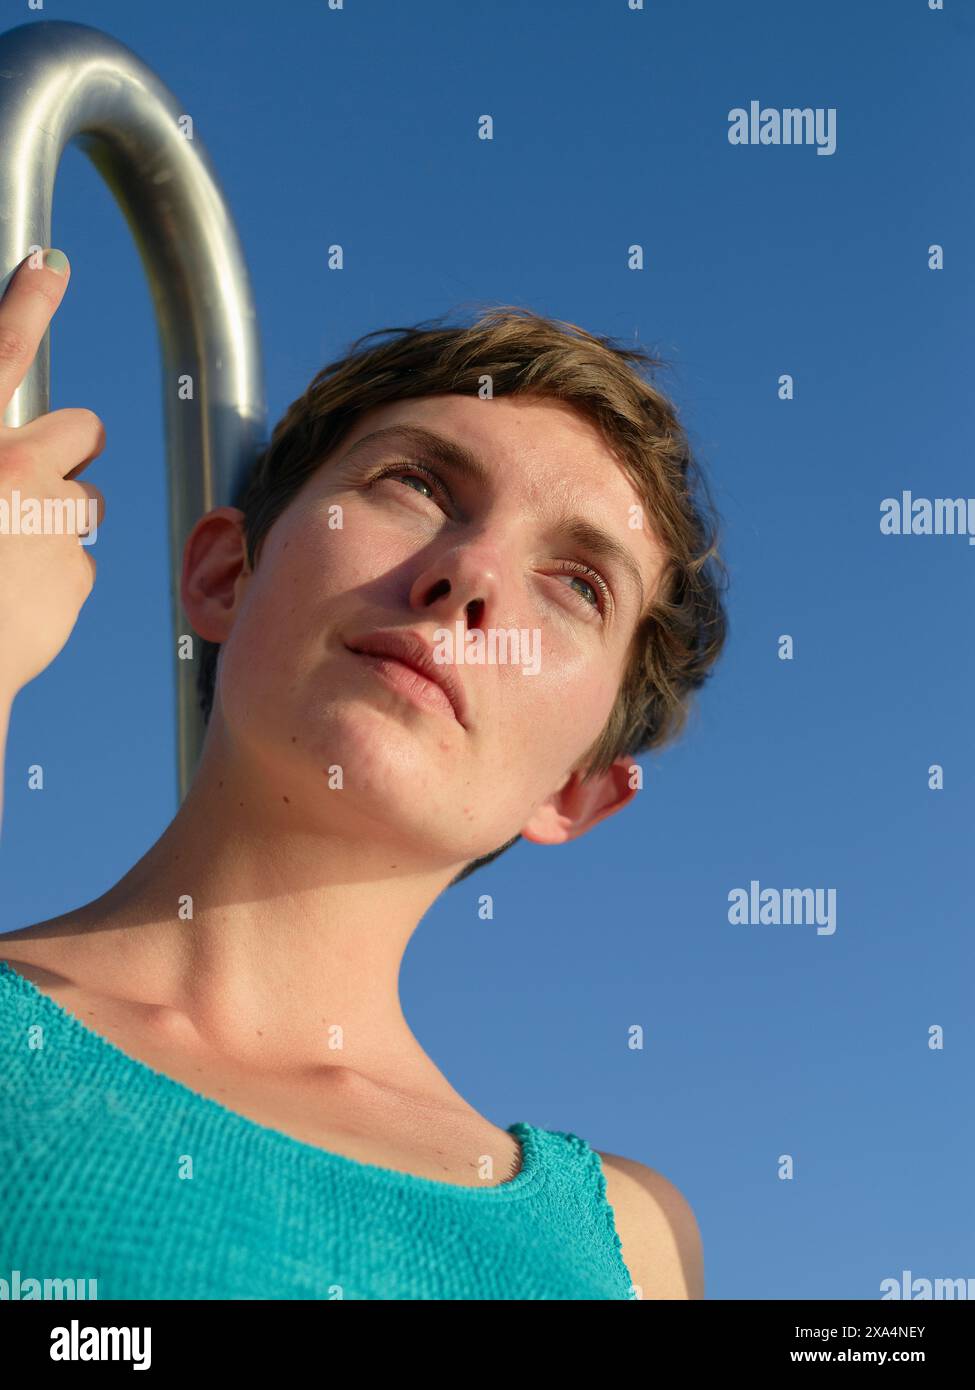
<point>527,434</point>
<point>548,456</point>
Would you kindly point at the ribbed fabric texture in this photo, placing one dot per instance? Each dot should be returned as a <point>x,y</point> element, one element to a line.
<point>96,1149</point>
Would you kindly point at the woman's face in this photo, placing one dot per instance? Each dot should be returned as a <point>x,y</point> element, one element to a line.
<point>424,550</point>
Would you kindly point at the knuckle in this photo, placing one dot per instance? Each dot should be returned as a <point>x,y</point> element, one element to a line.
<point>43,288</point>
<point>92,494</point>
<point>14,347</point>
<point>90,419</point>
<point>88,429</point>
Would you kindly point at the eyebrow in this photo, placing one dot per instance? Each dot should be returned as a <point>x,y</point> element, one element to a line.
<point>451,454</point>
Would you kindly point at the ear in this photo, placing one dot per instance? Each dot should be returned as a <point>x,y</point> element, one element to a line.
<point>215,571</point>
<point>578,805</point>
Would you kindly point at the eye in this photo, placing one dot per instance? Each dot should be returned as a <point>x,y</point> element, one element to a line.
<point>593,580</point>
<point>602,596</point>
<point>416,471</point>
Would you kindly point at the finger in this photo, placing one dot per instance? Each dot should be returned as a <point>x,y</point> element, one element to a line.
<point>72,437</point>
<point>26,310</point>
<point>98,510</point>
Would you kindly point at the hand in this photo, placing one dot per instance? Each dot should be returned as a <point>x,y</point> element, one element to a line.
<point>44,577</point>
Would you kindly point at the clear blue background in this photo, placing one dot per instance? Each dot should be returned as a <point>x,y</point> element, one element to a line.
<point>359,126</point>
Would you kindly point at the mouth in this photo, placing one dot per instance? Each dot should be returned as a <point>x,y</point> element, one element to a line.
<point>405,663</point>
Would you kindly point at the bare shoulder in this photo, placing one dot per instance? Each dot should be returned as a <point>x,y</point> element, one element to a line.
<point>661,1243</point>
<point>43,952</point>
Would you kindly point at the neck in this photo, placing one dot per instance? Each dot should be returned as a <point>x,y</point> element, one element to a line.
<point>274,941</point>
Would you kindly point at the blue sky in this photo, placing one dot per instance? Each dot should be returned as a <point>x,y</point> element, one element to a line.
<point>610,127</point>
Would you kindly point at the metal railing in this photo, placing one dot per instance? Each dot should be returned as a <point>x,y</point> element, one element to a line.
<point>63,82</point>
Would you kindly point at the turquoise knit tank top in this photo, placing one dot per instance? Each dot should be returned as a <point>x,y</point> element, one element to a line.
<point>115,1173</point>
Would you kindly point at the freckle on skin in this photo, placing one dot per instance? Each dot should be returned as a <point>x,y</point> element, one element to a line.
<point>287,799</point>
<point>294,739</point>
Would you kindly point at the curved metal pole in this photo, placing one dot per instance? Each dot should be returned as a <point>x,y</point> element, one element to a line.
<point>60,82</point>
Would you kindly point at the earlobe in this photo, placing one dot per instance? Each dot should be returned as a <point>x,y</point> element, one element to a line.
<point>577,805</point>
<point>214,560</point>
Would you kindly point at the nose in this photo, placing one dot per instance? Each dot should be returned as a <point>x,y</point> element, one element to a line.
<point>462,584</point>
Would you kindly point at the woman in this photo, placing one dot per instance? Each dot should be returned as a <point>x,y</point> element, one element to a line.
<point>227,1100</point>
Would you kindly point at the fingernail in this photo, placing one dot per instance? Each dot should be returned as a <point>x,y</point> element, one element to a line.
<point>56,260</point>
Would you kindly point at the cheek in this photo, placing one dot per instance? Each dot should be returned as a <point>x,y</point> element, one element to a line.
<point>273,631</point>
<point>303,589</point>
<point>568,700</point>
<point>303,567</point>
<point>547,721</point>
<point>329,559</point>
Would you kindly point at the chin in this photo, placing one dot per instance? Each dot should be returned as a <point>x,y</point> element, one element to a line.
<point>381,755</point>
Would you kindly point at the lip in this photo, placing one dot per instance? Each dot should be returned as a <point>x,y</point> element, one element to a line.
<point>410,649</point>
